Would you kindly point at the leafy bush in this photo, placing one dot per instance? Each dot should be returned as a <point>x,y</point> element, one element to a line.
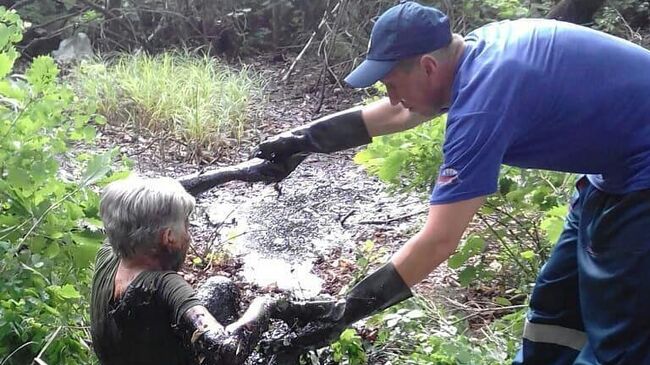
<point>48,219</point>
<point>194,99</point>
<point>348,350</point>
<point>420,332</point>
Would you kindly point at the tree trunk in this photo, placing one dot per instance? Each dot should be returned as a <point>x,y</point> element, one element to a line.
<point>575,11</point>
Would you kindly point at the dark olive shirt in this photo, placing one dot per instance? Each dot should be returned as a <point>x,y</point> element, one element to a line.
<point>140,327</point>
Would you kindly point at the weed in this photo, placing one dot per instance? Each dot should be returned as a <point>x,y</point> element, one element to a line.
<point>194,99</point>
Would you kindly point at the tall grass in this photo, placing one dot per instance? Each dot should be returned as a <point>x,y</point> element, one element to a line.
<point>196,99</point>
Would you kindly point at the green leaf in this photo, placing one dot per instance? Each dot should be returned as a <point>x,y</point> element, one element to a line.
<point>467,275</point>
<point>5,34</point>
<point>97,168</point>
<point>10,91</point>
<point>18,177</point>
<point>52,250</point>
<point>42,72</point>
<point>69,4</point>
<point>528,255</point>
<point>6,64</point>
<point>66,292</point>
<point>474,246</point>
<point>85,248</point>
<point>415,314</point>
<point>502,301</point>
<point>457,260</point>
<point>553,223</point>
<point>392,165</point>
<point>51,310</point>
<point>89,133</point>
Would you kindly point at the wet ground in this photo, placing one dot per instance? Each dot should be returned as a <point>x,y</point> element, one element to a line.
<point>322,209</point>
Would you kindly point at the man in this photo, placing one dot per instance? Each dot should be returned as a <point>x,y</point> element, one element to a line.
<point>529,93</point>
<point>142,311</point>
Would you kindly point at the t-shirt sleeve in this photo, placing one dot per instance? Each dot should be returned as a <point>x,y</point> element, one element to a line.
<point>178,295</point>
<point>475,144</point>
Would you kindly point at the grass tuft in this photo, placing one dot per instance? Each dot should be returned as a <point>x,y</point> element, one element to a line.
<point>196,99</point>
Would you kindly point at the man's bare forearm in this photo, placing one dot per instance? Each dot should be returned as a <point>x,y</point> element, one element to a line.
<point>419,257</point>
<point>382,118</point>
<point>436,241</point>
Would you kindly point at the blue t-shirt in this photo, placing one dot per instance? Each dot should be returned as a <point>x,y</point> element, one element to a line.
<point>548,95</point>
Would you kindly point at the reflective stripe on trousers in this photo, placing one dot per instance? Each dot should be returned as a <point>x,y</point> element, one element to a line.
<point>557,335</point>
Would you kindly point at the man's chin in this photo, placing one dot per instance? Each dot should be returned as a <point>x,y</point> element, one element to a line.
<point>425,113</point>
<point>434,113</point>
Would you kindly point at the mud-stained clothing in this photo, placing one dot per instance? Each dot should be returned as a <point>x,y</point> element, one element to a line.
<point>140,327</point>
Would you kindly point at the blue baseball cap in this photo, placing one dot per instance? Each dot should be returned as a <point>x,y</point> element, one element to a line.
<point>405,30</point>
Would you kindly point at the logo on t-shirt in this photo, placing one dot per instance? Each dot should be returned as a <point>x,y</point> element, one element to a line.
<point>447,176</point>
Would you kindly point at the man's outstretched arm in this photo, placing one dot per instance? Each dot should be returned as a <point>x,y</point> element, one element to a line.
<point>381,117</point>
<point>436,241</point>
<point>322,322</point>
<point>336,132</point>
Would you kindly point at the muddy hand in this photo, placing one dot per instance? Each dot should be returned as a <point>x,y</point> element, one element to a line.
<point>331,133</point>
<point>281,147</point>
<point>254,321</point>
<point>315,324</point>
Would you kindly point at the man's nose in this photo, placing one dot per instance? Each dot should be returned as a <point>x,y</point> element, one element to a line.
<point>394,100</point>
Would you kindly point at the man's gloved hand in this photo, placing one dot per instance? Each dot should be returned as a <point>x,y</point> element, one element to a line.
<point>267,171</point>
<point>320,323</point>
<point>328,134</point>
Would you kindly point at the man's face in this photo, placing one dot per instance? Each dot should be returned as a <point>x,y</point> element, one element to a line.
<point>419,89</point>
<point>175,252</point>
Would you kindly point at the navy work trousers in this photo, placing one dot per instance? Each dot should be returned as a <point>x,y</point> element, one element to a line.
<point>591,301</point>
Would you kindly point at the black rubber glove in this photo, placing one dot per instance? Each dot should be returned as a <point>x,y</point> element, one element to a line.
<point>272,171</point>
<point>320,323</point>
<point>328,134</point>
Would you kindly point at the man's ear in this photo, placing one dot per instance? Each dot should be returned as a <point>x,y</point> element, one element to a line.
<point>429,64</point>
<point>168,239</point>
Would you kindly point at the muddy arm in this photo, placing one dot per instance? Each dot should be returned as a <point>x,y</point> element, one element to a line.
<point>253,170</point>
<point>201,182</point>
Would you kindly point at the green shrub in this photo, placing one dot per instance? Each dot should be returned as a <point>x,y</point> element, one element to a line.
<point>419,332</point>
<point>48,220</point>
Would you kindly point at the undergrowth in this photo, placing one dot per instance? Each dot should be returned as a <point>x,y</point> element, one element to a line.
<point>194,99</point>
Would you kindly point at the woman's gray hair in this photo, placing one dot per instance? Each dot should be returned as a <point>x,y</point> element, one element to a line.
<point>135,210</point>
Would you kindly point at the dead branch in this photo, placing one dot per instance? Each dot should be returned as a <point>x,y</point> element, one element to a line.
<point>396,219</point>
<point>323,21</point>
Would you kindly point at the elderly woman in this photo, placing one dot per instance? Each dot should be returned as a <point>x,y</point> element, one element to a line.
<point>142,310</point>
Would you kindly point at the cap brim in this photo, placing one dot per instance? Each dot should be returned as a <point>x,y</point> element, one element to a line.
<point>369,72</point>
